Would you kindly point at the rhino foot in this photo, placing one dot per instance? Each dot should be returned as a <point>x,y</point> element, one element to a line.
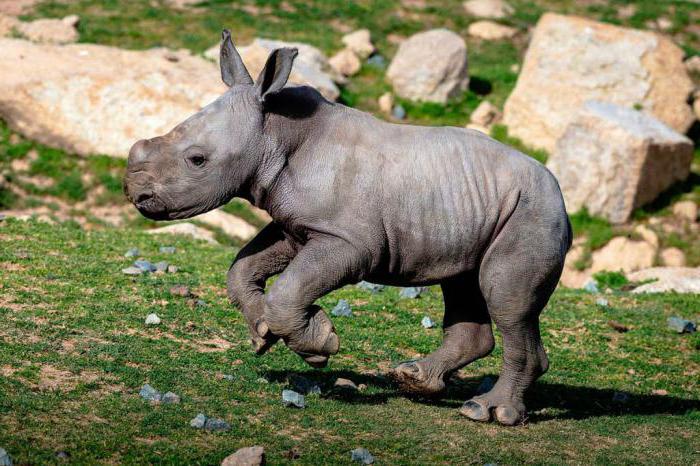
<point>483,408</point>
<point>317,341</point>
<point>414,377</point>
<point>262,339</point>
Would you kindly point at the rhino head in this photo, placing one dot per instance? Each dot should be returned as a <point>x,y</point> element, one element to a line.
<point>212,156</point>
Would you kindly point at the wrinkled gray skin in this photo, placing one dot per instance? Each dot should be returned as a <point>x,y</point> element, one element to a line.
<point>355,198</point>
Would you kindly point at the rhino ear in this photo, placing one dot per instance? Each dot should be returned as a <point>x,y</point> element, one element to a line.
<point>232,68</point>
<point>276,72</point>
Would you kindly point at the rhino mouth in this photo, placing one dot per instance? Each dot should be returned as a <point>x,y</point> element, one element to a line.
<point>153,208</point>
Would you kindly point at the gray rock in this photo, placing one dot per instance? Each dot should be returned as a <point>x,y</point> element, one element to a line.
<point>5,459</point>
<point>172,268</point>
<point>591,286</point>
<point>133,252</point>
<point>161,266</point>
<point>292,398</point>
<point>198,421</point>
<point>200,303</point>
<point>262,380</point>
<point>249,456</point>
<point>2,217</point>
<point>486,385</point>
<point>602,302</point>
<point>398,112</point>
<point>342,309</point>
<point>152,319</point>
<point>362,455</point>
<point>228,377</point>
<point>371,287</point>
<point>681,325</point>
<point>132,271</point>
<point>377,61</point>
<point>167,249</point>
<point>427,322</point>
<point>170,398</point>
<point>149,393</point>
<point>216,425</point>
<point>63,455</point>
<point>145,266</point>
<point>620,397</point>
<point>412,292</point>
<point>345,384</point>
<point>303,385</point>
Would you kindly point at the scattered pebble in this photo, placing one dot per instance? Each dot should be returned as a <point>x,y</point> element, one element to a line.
<point>172,268</point>
<point>342,309</point>
<point>132,271</point>
<point>620,397</point>
<point>486,385</point>
<point>262,380</point>
<point>248,456</point>
<point>660,392</point>
<point>591,286</point>
<point>170,398</point>
<point>181,290</point>
<point>228,377</point>
<point>63,455</point>
<point>2,217</point>
<point>427,322</point>
<point>198,421</point>
<point>216,425</point>
<point>145,266</point>
<point>292,398</point>
<point>5,459</point>
<point>371,287</point>
<point>622,328</point>
<point>398,112</point>
<point>602,302</point>
<point>152,319</point>
<point>362,455</point>
<point>412,292</point>
<point>377,61</point>
<point>161,266</point>
<point>133,252</point>
<point>149,393</point>
<point>303,385</point>
<point>167,249</point>
<point>345,384</point>
<point>681,325</point>
<point>362,387</point>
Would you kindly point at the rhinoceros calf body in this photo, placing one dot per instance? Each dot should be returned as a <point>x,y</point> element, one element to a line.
<point>355,198</point>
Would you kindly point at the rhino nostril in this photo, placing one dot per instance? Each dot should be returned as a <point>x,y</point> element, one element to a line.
<point>143,197</point>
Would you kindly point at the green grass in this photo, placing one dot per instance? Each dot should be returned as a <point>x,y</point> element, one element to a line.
<point>74,352</point>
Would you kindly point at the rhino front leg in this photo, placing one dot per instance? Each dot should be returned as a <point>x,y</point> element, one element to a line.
<point>264,256</point>
<point>321,266</point>
<point>467,337</point>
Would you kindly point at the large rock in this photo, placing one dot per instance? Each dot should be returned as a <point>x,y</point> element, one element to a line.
<point>678,279</point>
<point>430,66</point>
<point>488,8</point>
<point>249,456</point>
<point>571,60</point>
<point>229,224</point>
<point>94,99</point>
<point>50,30</point>
<point>185,229</point>
<point>623,254</point>
<point>488,30</point>
<point>612,160</point>
<point>311,67</point>
<point>360,42</point>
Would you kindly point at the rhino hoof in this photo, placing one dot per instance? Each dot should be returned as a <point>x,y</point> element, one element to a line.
<point>475,411</point>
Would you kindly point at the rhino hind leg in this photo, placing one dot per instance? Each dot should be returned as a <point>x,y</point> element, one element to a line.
<point>518,275</point>
<point>467,337</point>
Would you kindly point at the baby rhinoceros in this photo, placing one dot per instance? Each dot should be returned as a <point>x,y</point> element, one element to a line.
<point>355,198</point>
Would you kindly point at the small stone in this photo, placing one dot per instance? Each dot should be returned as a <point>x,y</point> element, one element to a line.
<point>591,286</point>
<point>362,455</point>
<point>681,325</point>
<point>5,459</point>
<point>620,397</point>
<point>345,62</point>
<point>170,398</point>
<point>686,210</point>
<point>486,114</point>
<point>149,393</point>
<point>386,102</point>
<point>292,398</point>
<point>372,287</point>
<point>216,425</point>
<point>303,385</point>
<point>201,303</point>
<point>398,112</point>
<point>412,292</point>
<point>377,61</point>
<point>248,456</point>
<point>152,319</point>
<point>359,42</point>
<point>345,384</point>
<point>486,385</point>
<point>161,266</point>
<point>617,326</point>
<point>172,268</point>
<point>228,377</point>
<point>167,249</point>
<point>672,257</point>
<point>342,309</point>
<point>63,455</point>
<point>427,322</point>
<point>133,252</point>
<point>145,266</point>
<point>262,380</point>
<point>602,302</point>
<point>488,30</point>
<point>488,8</point>
<point>2,217</point>
<point>180,290</point>
<point>659,392</point>
<point>198,421</point>
<point>132,271</point>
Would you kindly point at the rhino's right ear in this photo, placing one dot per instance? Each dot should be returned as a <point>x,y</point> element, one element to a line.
<point>233,70</point>
<point>276,72</point>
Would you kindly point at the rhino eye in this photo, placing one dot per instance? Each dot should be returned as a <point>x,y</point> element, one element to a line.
<point>197,160</point>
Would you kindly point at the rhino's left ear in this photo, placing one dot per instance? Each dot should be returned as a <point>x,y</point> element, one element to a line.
<point>232,68</point>
<point>276,72</point>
